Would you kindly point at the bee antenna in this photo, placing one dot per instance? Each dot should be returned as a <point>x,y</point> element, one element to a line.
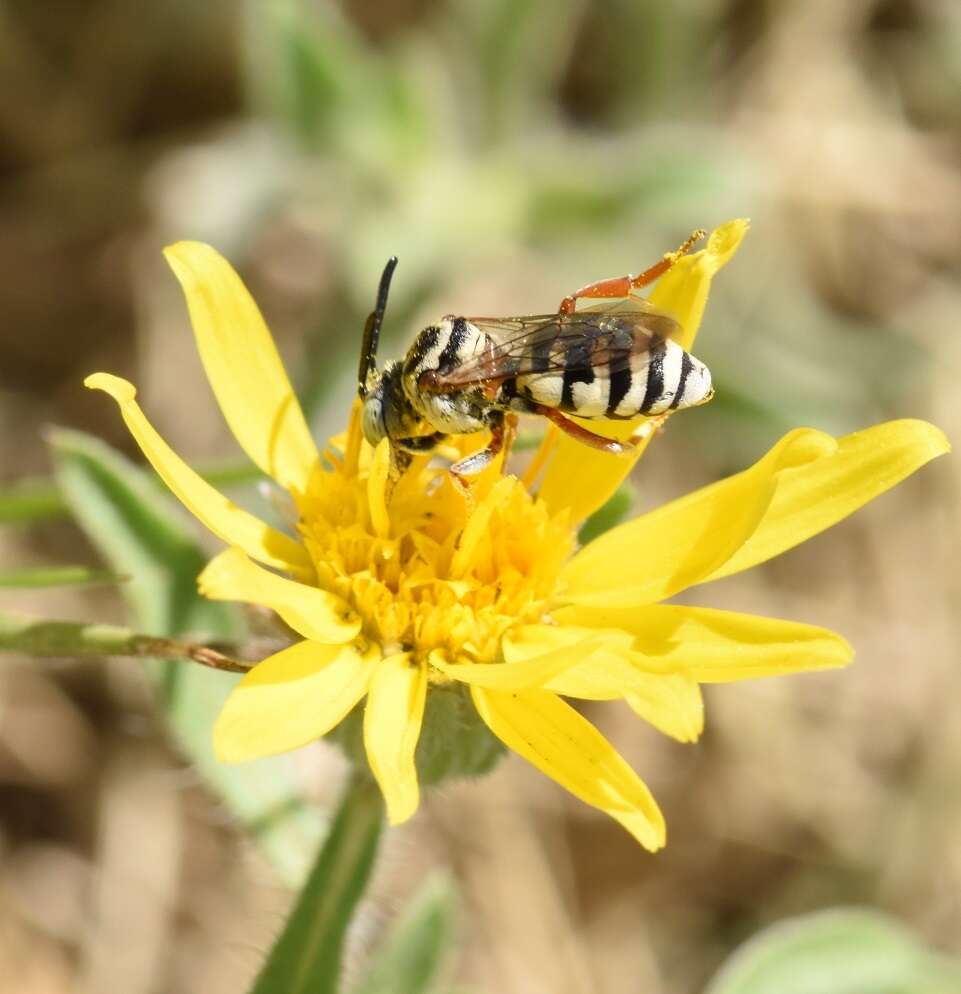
<point>368,352</point>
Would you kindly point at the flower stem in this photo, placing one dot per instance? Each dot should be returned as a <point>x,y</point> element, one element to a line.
<point>34,637</point>
<point>306,959</point>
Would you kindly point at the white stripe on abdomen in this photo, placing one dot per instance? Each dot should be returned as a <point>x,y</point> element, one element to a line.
<point>590,399</point>
<point>671,370</point>
<point>632,400</point>
<point>542,388</point>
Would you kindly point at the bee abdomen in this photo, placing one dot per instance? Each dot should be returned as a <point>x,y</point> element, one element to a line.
<point>578,384</point>
<point>662,379</point>
<point>665,379</point>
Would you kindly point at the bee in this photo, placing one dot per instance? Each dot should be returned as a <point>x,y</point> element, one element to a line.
<point>466,374</point>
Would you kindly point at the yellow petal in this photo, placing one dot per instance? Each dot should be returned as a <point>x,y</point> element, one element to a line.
<point>525,672</point>
<point>476,527</point>
<point>316,614</point>
<point>672,703</point>
<point>719,646</point>
<point>222,516</point>
<point>530,641</point>
<point>679,544</point>
<point>570,662</point>
<point>808,499</point>
<point>583,479</point>
<point>683,289</point>
<point>666,697</point>
<point>243,366</point>
<point>377,489</point>
<point>552,736</point>
<point>609,673</point>
<point>392,720</point>
<point>290,699</point>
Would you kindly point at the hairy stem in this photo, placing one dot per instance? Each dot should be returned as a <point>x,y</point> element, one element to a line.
<point>34,637</point>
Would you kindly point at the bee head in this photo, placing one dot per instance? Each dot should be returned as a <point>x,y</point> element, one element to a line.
<point>386,412</point>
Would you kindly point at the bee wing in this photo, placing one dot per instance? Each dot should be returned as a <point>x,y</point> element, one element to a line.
<point>555,343</point>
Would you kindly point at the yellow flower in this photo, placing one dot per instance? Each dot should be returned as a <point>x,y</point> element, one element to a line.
<point>401,597</point>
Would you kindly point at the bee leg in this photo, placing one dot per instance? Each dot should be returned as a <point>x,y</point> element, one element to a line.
<point>621,286</point>
<point>418,444</point>
<point>402,452</point>
<point>503,429</point>
<point>400,461</point>
<point>508,433</point>
<point>581,434</point>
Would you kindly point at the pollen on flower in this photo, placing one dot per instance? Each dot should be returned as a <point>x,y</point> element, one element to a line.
<point>439,578</point>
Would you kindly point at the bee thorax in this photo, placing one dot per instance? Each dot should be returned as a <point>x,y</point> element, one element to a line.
<point>437,350</point>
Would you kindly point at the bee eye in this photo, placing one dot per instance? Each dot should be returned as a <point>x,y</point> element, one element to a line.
<point>373,418</point>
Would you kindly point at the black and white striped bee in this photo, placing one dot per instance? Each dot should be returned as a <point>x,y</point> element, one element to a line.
<point>465,374</point>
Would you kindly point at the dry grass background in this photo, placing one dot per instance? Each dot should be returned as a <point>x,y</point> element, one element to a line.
<point>837,126</point>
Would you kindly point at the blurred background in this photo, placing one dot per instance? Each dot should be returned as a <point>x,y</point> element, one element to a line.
<point>507,152</point>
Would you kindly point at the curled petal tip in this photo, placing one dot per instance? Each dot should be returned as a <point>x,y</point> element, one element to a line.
<point>934,437</point>
<point>725,238</point>
<point>185,249</point>
<point>194,263</point>
<point>807,446</point>
<point>120,389</point>
<point>398,815</point>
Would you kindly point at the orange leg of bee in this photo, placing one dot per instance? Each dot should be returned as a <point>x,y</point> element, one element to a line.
<point>621,286</point>
<point>581,434</point>
<point>502,438</point>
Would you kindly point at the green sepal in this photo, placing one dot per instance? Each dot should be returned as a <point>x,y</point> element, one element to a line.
<point>453,743</point>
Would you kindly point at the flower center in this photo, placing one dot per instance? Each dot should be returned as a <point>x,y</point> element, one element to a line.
<point>431,574</point>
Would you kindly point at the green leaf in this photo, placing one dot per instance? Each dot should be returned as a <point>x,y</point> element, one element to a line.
<point>38,498</point>
<point>409,959</point>
<point>840,951</point>
<point>527,442</point>
<point>140,532</point>
<point>28,500</point>
<point>57,576</point>
<point>617,508</point>
<point>306,957</point>
<point>305,62</point>
<point>519,49</point>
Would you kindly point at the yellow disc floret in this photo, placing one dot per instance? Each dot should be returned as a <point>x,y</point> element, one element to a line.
<point>434,578</point>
